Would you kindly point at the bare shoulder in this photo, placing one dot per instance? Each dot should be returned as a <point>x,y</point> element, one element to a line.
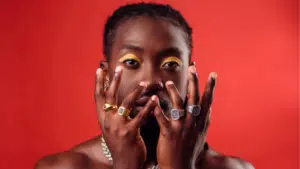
<point>65,160</point>
<point>85,155</point>
<point>236,163</point>
<point>214,160</point>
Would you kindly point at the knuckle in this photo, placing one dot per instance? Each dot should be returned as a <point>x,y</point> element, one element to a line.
<point>127,101</point>
<point>98,93</point>
<point>114,130</point>
<point>99,108</point>
<point>116,76</point>
<point>165,133</point>
<point>140,116</point>
<point>147,108</point>
<point>124,132</point>
<point>138,89</point>
<point>178,102</point>
<point>173,135</point>
<point>106,125</point>
<point>111,95</point>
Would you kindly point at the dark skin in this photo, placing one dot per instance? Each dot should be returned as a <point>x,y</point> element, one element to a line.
<point>150,72</point>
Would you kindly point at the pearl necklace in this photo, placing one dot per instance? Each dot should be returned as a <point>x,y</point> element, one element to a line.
<point>107,153</point>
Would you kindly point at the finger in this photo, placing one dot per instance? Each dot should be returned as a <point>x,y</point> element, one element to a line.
<point>206,100</point>
<point>163,122</point>
<point>174,95</point>
<point>99,84</point>
<point>136,121</point>
<point>99,93</point>
<point>193,93</point>
<point>129,100</point>
<point>177,103</point>
<point>193,87</point>
<point>111,95</point>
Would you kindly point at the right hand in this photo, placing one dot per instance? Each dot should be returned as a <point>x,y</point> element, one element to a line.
<point>121,134</point>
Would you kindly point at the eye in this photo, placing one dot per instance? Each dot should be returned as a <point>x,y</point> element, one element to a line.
<point>171,63</point>
<point>131,63</point>
<point>172,66</point>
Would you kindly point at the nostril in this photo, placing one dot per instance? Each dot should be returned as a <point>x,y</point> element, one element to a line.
<point>152,88</point>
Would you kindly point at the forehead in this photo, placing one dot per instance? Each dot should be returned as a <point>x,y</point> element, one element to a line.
<point>151,34</point>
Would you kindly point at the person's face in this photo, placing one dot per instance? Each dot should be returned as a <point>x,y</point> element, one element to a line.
<point>153,51</point>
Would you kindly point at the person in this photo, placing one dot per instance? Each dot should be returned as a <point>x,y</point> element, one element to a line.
<point>149,106</point>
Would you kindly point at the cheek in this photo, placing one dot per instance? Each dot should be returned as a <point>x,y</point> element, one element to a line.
<point>181,82</point>
<point>127,85</point>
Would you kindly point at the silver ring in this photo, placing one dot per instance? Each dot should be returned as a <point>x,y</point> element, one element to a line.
<point>194,109</point>
<point>176,114</point>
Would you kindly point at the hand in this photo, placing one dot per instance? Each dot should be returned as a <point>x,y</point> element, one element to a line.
<point>178,138</point>
<point>121,133</point>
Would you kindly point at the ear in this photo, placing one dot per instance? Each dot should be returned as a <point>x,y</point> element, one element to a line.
<point>104,65</point>
<point>193,63</point>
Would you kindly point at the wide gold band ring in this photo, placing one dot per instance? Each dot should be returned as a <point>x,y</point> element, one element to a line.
<point>108,107</point>
<point>123,111</point>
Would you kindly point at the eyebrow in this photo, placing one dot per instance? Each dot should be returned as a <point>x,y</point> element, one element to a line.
<point>132,47</point>
<point>174,51</point>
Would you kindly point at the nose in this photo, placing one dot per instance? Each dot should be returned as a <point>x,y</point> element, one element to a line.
<point>154,82</point>
<point>153,87</point>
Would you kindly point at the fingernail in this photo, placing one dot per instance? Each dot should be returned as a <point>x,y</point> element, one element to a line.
<point>169,83</point>
<point>193,69</point>
<point>213,75</point>
<point>154,98</point>
<point>118,69</point>
<point>98,71</point>
<point>144,84</point>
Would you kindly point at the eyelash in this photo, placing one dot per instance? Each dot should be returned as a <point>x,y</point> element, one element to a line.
<point>172,60</point>
<point>171,68</point>
<point>169,64</point>
<point>132,66</point>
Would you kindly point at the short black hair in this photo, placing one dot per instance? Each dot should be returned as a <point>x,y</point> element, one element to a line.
<point>154,10</point>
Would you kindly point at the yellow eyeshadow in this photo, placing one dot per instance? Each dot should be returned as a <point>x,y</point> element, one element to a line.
<point>129,56</point>
<point>172,59</point>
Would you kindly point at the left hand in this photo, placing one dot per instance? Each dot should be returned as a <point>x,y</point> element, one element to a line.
<point>178,138</point>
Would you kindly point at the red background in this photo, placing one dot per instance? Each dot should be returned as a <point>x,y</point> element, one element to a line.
<point>51,49</point>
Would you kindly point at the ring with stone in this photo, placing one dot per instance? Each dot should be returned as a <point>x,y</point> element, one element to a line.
<point>194,109</point>
<point>108,107</point>
<point>176,114</point>
<point>122,111</point>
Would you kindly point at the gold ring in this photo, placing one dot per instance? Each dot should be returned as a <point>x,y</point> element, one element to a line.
<point>123,111</point>
<point>109,107</point>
